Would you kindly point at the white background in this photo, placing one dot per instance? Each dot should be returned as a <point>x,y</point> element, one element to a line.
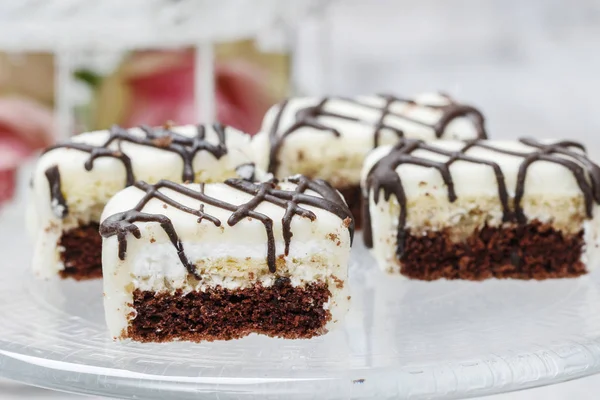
<point>531,65</point>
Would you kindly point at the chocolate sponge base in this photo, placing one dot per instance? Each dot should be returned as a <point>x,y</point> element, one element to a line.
<point>82,254</point>
<point>532,251</point>
<point>280,310</point>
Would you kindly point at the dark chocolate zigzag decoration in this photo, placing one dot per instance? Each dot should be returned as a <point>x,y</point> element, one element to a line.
<point>310,117</point>
<point>123,223</point>
<point>158,138</point>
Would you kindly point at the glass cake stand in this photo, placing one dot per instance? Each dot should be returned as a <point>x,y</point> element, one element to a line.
<point>400,340</point>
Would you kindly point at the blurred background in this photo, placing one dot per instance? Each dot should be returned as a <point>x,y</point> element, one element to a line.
<point>530,65</point>
<point>67,67</point>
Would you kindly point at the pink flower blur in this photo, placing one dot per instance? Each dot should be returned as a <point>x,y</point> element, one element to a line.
<point>25,126</point>
<point>162,88</point>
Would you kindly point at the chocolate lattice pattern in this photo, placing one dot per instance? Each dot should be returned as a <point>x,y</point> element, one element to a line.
<point>122,224</point>
<point>158,138</point>
<point>311,117</point>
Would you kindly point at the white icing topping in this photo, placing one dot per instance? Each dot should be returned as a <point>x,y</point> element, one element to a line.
<point>476,179</point>
<point>246,171</point>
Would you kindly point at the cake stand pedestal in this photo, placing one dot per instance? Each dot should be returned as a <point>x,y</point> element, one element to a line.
<point>401,339</point>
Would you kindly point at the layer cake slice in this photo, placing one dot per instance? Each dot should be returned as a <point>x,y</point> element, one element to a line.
<point>223,260</point>
<point>479,209</point>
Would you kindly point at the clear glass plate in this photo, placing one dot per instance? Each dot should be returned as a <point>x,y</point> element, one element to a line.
<point>401,339</point>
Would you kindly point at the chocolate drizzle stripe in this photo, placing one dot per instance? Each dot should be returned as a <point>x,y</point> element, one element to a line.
<point>158,138</point>
<point>123,223</point>
<point>311,117</point>
<point>383,176</point>
<point>380,125</point>
<point>57,199</point>
<point>304,118</point>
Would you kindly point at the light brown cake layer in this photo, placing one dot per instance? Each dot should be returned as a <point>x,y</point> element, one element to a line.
<point>280,310</point>
<point>532,251</point>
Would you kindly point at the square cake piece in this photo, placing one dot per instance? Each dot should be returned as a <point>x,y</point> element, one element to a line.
<point>220,261</point>
<point>329,138</point>
<point>480,209</point>
<point>73,181</point>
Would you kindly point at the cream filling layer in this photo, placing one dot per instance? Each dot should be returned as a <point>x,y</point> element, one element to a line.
<point>158,268</point>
